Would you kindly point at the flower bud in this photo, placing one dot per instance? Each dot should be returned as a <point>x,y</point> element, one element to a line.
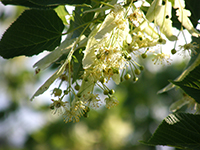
<point>137,71</point>
<point>111,92</point>
<point>144,55</point>
<point>173,51</point>
<point>127,76</point>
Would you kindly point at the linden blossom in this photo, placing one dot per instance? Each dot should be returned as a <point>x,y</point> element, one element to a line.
<point>190,47</point>
<point>104,49</point>
<point>111,52</point>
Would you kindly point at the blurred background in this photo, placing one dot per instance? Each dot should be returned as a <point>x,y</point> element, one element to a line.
<point>26,125</point>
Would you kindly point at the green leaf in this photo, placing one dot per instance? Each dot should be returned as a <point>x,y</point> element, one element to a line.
<point>62,12</point>
<point>25,3</point>
<point>59,2</point>
<point>43,4</point>
<point>179,130</point>
<point>80,21</point>
<point>193,6</point>
<point>33,32</point>
<point>191,84</point>
<point>77,65</point>
<point>194,62</point>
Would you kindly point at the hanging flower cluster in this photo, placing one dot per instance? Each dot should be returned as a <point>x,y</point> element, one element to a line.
<point>111,52</point>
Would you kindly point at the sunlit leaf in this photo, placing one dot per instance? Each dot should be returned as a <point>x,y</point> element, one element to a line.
<point>145,27</point>
<point>62,13</point>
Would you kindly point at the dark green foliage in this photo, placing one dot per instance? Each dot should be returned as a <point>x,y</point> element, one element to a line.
<point>77,65</point>
<point>80,22</point>
<point>193,6</point>
<point>33,32</point>
<point>179,130</point>
<point>59,2</point>
<point>191,84</point>
<point>25,3</point>
<point>44,4</point>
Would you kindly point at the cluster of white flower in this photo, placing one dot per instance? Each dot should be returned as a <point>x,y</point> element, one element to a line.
<point>110,52</point>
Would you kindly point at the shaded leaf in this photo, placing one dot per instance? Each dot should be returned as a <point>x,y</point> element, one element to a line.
<point>191,84</point>
<point>77,65</point>
<point>33,32</point>
<point>59,2</point>
<point>25,3</point>
<point>43,4</point>
<point>194,63</point>
<point>78,24</point>
<point>193,6</point>
<point>178,130</point>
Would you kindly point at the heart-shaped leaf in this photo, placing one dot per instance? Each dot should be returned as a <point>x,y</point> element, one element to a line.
<point>44,4</point>
<point>33,32</point>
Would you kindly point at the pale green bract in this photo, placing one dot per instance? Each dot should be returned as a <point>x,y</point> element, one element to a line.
<point>183,15</point>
